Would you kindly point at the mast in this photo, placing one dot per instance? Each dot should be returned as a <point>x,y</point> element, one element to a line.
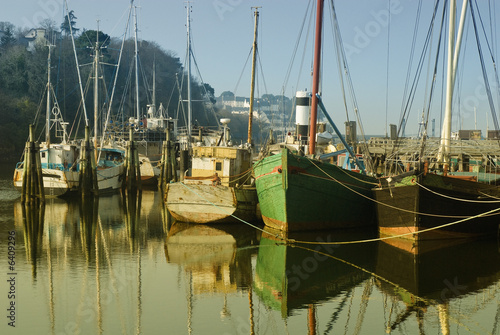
<point>453,53</point>
<point>154,86</point>
<point>188,8</point>
<point>136,67</point>
<point>252,86</point>
<point>47,121</point>
<point>82,95</point>
<point>96,86</point>
<point>316,69</point>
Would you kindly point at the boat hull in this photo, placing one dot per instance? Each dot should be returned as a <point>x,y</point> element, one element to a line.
<point>110,179</point>
<point>296,194</point>
<point>210,204</point>
<point>405,207</point>
<point>56,183</point>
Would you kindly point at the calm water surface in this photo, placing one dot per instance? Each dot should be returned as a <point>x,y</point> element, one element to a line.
<point>120,266</point>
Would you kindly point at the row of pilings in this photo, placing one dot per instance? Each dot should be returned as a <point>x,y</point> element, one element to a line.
<point>33,193</point>
<point>168,171</point>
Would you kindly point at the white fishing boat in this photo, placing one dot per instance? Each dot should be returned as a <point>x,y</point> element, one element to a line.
<point>58,160</point>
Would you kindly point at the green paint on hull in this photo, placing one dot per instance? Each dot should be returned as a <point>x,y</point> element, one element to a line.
<point>297,193</point>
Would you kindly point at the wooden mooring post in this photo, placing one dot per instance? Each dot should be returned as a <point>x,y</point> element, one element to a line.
<point>132,166</point>
<point>88,169</point>
<point>168,166</point>
<point>32,187</point>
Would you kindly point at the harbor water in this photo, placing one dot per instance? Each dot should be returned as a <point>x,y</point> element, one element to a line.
<point>119,265</point>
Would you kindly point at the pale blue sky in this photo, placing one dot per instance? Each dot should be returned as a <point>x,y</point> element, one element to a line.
<point>222,33</point>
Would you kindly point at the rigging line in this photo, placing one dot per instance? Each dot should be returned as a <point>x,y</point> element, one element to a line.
<point>410,96</point>
<point>491,212</point>
<point>342,58</point>
<point>412,54</point>
<point>205,90</point>
<point>432,88</point>
<point>484,32</point>
<point>336,313</point>
<point>242,71</point>
<point>387,68</point>
<point>301,66</point>
<point>456,199</point>
<point>373,274</point>
<point>338,47</point>
<point>497,81</point>
<point>262,73</point>
<point>485,75</point>
<point>384,204</point>
<point>296,47</point>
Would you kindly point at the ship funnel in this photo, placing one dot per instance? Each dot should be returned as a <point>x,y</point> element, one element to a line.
<point>302,109</point>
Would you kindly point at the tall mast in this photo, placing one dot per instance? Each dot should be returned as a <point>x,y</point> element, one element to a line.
<point>453,53</point>
<point>96,87</point>
<point>154,85</point>
<point>47,121</point>
<point>136,67</point>
<point>188,7</point>
<point>316,70</point>
<point>254,57</point>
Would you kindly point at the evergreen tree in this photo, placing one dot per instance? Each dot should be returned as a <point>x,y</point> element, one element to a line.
<point>69,21</point>
<point>7,39</point>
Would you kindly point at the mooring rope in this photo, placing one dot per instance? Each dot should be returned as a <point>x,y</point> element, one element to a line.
<point>294,241</point>
<point>457,199</point>
<point>390,206</point>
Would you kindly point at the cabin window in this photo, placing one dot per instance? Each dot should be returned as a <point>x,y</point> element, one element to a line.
<point>218,166</point>
<point>43,154</point>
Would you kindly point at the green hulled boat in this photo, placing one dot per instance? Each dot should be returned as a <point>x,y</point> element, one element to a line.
<point>299,193</point>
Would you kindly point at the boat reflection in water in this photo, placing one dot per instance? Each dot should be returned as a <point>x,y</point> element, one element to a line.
<point>217,260</point>
<point>117,265</point>
<point>435,277</point>
<point>86,261</point>
<point>293,277</point>
<point>217,257</point>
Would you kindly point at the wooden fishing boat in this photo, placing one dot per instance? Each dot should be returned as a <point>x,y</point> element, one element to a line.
<point>416,201</point>
<point>301,193</point>
<point>58,159</point>
<point>435,200</point>
<point>218,190</point>
<point>220,187</point>
<point>298,192</point>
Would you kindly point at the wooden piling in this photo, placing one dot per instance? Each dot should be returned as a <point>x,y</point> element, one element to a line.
<point>88,169</point>
<point>168,165</point>
<point>132,168</point>
<point>184,163</point>
<point>32,187</point>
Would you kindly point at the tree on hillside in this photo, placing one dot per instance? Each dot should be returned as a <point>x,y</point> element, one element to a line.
<point>50,30</point>
<point>69,21</point>
<point>210,92</point>
<point>7,39</point>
